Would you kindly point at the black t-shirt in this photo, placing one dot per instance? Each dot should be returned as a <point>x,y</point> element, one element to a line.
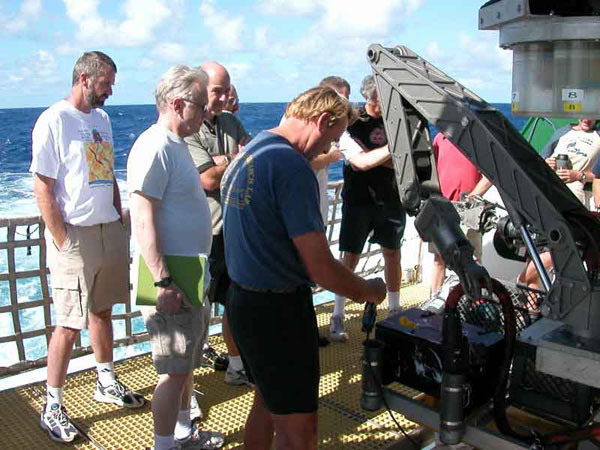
<point>374,186</point>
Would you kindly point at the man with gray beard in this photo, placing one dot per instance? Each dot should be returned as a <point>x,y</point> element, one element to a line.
<point>78,197</point>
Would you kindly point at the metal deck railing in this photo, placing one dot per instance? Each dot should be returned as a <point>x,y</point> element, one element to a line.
<point>26,323</point>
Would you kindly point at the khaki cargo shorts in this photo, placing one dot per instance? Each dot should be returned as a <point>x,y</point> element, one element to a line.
<point>177,339</point>
<point>89,273</point>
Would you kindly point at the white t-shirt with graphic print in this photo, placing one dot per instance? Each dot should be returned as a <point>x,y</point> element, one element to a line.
<point>76,150</point>
<point>583,148</point>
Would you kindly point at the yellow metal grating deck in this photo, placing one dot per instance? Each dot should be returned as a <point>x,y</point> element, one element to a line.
<point>342,423</point>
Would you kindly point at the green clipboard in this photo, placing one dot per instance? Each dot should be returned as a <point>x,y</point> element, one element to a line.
<point>186,271</point>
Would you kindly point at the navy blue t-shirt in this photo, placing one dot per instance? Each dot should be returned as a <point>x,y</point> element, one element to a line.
<point>270,195</point>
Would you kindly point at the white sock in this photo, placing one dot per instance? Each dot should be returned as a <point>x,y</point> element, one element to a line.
<point>106,373</point>
<point>183,427</point>
<point>338,308</point>
<point>235,362</point>
<point>194,402</point>
<point>163,442</point>
<point>54,395</point>
<point>393,300</point>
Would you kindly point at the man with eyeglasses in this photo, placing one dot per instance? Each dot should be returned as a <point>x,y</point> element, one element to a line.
<point>233,101</point>
<point>170,217</point>
<point>219,139</point>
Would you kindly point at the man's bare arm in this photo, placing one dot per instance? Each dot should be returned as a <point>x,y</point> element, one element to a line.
<point>43,189</point>
<point>596,192</point>
<point>211,177</point>
<point>370,159</point>
<point>143,209</point>
<point>143,215</point>
<point>321,161</point>
<point>482,186</point>
<point>330,274</point>
<point>117,199</point>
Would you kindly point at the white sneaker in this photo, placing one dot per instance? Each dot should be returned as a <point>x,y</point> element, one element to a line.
<point>118,394</point>
<point>337,331</point>
<point>195,411</point>
<point>201,440</point>
<point>236,377</point>
<point>57,423</point>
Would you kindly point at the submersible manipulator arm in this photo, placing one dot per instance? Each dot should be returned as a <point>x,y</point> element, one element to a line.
<point>413,92</point>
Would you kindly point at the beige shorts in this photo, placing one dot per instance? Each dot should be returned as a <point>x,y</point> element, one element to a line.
<point>89,273</point>
<point>177,338</point>
<point>473,236</point>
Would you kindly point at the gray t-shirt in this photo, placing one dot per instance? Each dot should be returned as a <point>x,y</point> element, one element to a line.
<point>160,166</point>
<point>221,139</point>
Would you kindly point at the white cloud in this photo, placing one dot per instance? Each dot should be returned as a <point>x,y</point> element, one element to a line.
<point>288,7</point>
<point>44,64</point>
<point>142,18</point>
<point>35,73</point>
<point>364,18</point>
<point>433,50</point>
<point>15,78</point>
<point>339,36</point>
<point>30,11</point>
<point>69,49</point>
<point>261,37</point>
<point>477,62</point>
<point>485,50</point>
<point>226,28</point>
<point>345,17</point>
<point>237,70</point>
<point>171,52</point>
<point>146,63</point>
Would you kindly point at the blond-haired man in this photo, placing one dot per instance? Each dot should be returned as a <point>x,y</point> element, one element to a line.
<point>276,250</point>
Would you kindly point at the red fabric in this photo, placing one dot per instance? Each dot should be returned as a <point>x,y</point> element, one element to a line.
<point>456,173</point>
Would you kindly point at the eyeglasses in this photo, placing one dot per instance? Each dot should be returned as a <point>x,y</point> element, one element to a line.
<point>203,108</point>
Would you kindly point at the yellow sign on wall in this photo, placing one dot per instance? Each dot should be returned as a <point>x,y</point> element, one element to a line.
<point>572,106</point>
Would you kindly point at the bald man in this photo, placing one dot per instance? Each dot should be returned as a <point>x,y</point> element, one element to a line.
<point>218,141</point>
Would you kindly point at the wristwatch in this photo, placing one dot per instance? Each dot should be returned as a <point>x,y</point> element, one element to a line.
<point>582,177</point>
<point>163,283</point>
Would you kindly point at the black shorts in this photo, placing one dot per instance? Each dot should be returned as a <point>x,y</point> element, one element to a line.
<point>386,221</point>
<point>220,281</point>
<point>276,335</point>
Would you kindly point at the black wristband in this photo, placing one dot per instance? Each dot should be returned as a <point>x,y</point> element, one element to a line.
<point>163,283</point>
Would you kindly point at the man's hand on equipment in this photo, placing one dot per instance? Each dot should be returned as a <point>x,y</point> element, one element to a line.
<point>375,291</point>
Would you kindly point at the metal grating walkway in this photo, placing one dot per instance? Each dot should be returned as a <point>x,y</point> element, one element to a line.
<point>341,421</point>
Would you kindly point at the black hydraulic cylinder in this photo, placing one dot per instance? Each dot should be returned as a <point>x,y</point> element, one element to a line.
<point>454,380</point>
<point>370,399</point>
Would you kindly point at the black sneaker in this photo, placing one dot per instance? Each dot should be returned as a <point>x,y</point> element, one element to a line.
<point>57,423</point>
<point>210,358</point>
<point>323,341</point>
<point>118,394</point>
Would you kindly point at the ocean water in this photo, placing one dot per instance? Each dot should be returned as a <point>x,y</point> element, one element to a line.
<point>16,196</point>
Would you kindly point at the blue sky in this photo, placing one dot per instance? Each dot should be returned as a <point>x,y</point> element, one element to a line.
<point>273,49</point>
